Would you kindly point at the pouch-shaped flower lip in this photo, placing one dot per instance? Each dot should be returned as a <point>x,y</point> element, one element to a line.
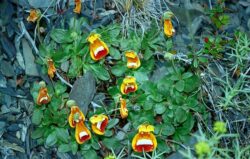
<point>128,85</point>
<point>123,109</point>
<point>168,26</point>
<point>78,6</point>
<point>34,15</point>
<point>51,68</point>
<point>144,141</point>
<point>82,133</point>
<point>99,123</point>
<point>133,60</point>
<point>75,116</point>
<point>98,49</point>
<point>43,96</point>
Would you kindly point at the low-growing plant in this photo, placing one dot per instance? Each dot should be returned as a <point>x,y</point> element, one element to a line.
<point>209,146</point>
<point>217,15</point>
<point>166,100</point>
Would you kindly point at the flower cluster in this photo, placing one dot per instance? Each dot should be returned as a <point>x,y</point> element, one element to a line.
<point>144,140</point>
<point>76,120</point>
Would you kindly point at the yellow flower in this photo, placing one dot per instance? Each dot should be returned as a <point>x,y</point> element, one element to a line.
<point>144,140</point>
<point>51,68</point>
<point>168,26</point>
<point>133,60</point>
<point>78,6</point>
<point>146,128</point>
<point>75,116</point>
<point>43,96</point>
<point>98,49</point>
<point>99,123</point>
<point>82,133</point>
<point>128,85</point>
<point>202,148</point>
<point>34,15</point>
<point>220,127</point>
<point>123,109</point>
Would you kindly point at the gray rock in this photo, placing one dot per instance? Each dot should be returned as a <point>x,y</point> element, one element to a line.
<point>7,46</point>
<point>83,91</point>
<point>3,81</point>
<point>13,127</point>
<point>99,98</point>
<point>195,25</point>
<point>122,134</point>
<point>40,4</point>
<point>29,59</point>
<point>65,66</point>
<point>234,23</point>
<point>159,74</point>
<point>248,10</point>
<point>2,127</point>
<point>7,69</point>
<point>248,24</point>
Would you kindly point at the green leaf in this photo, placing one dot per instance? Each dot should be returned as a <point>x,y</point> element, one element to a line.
<point>113,91</point>
<point>90,154</point>
<point>148,54</point>
<point>37,116</point>
<point>111,143</point>
<point>115,53</point>
<point>180,85</point>
<point>160,108</point>
<point>141,76</point>
<point>187,75</point>
<point>74,147</point>
<point>162,146</point>
<point>100,72</point>
<point>180,115</point>
<point>95,144</point>
<point>189,123</point>
<point>168,129</point>
<point>75,67</point>
<point>119,69</point>
<point>61,36</point>
<point>108,133</point>
<point>64,148</point>
<point>191,83</point>
<point>112,123</point>
<point>37,133</point>
<point>60,88</point>
<point>51,139</point>
<point>62,134</point>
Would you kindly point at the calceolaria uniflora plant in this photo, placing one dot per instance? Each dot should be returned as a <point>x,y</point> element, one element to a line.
<point>142,108</point>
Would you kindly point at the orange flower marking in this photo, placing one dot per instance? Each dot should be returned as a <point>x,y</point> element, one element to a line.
<point>128,85</point>
<point>99,123</point>
<point>144,140</point>
<point>82,133</point>
<point>34,15</point>
<point>98,49</point>
<point>133,60</point>
<point>168,26</point>
<point>75,116</point>
<point>78,6</point>
<point>51,68</point>
<point>43,96</point>
<point>123,109</point>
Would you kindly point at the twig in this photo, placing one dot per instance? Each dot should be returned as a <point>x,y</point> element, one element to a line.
<point>32,42</point>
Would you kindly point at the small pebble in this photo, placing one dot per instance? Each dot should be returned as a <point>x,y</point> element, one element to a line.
<point>18,135</point>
